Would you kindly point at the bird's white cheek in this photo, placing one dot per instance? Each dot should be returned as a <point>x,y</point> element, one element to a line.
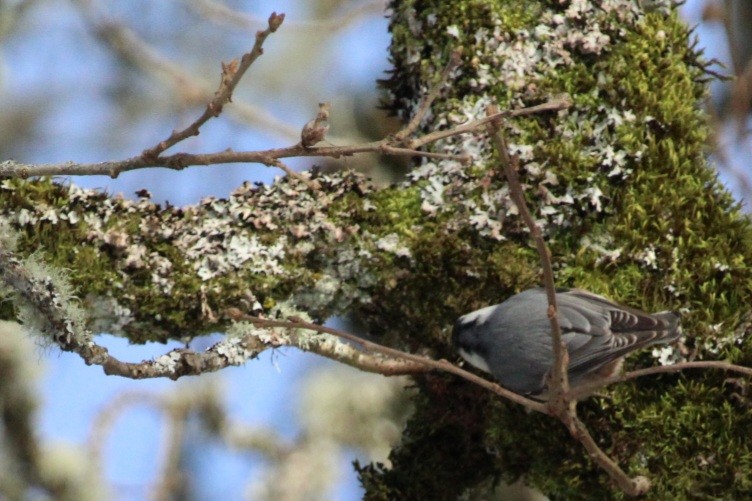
<point>475,360</point>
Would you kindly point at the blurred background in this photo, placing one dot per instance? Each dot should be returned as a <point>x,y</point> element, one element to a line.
<point>91,81</point>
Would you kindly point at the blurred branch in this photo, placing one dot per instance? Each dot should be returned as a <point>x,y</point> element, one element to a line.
<point>221,13</point>
<point>113,409</point>
<point>171,482</point>
<point>28,463</point>
<point>18,404</point>
<point>11,13</point>
<point>264,441</point>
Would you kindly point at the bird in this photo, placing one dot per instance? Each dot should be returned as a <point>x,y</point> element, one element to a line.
<point>512,340</point>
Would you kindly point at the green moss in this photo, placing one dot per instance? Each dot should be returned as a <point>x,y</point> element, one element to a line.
<point>395,210</point>
<point>96,268</point>
<point>676,238</point>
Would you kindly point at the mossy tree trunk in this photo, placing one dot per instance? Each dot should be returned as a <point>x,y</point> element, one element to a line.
<point>619,183</point>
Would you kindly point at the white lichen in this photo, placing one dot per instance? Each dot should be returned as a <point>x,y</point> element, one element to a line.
<point>232,349</point>
<point>391,243</point>
<point>168,362</point>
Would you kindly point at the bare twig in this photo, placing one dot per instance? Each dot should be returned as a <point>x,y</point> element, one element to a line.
<point>590,387</point>
<point>636,486</point>
<point>558,382</point>
<point>126,44</point>
<point>290,172</point>
<point>560,404</point>
<point>425,104</point>
<point>178,161</point>
<point>232,72</point>
<point>391,150</point>
<point>370,346</point>
<point>556,103</point>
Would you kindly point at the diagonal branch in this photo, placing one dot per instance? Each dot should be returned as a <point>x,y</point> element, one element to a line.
<point>558,383</point>
<point>556,103</point>
<point>232,72</point>
<point>127,45</point>
<point>370,346</point>
<point>560,404</point>
<point>425,105</point>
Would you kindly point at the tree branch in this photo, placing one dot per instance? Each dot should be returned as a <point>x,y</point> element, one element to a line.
<point>232,72</point>
<point>560,403</point>
<point>425,362</point>
<point>558,382</point>
<point>590,387</point>
<point>127,45</point>
<point>178,161</point>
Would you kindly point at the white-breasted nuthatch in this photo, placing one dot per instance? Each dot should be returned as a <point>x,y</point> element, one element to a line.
<point>512,340</point>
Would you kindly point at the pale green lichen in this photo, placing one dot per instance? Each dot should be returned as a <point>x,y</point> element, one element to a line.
<point>59,296</point>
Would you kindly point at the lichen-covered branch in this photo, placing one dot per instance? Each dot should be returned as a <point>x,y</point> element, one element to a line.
<point>618,184</point>
<point>45,304</point>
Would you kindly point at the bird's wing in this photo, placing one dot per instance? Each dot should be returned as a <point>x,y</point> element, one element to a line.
<point>598,331</point>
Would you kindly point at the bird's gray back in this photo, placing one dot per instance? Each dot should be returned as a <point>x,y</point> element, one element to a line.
<point>520,333</point>
<point>596,331</point>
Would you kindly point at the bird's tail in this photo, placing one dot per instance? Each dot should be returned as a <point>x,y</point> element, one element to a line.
<point>670,329</point>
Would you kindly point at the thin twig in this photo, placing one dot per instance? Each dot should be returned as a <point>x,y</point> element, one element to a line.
<point>590,387</point>
<point>232,72</point>
<point>127,45</point>
<point>556,103</point>
<point>178,161</point>
<point>370,346</point>
<point>291,173</point>
<point>558,382</point>
<point>391,150</point>
<point>559,404</point>
<point>425,104</point>
<point>636,486</point>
